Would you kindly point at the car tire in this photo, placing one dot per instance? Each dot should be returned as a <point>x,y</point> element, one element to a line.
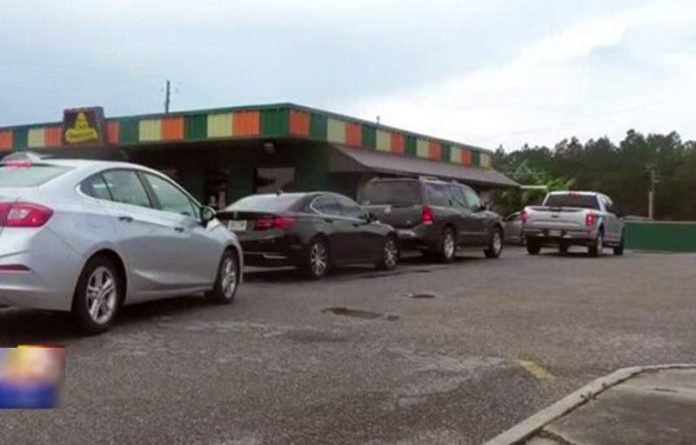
<point>495,244</point>
<point>563,248</point>
<point>390,254</point>
<point>597,248</point>
<point>619,250</point>
<point>317,260</point>
<point>98,296</point>
<point>447,245</point>
<point>226,280</point>
<point>533,247</point>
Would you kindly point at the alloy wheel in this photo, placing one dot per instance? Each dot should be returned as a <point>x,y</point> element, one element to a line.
<point>229,277</point>
<point>102,295</point>
<point>448,244</point>
<point>318,258</point>
<point>391,253</point>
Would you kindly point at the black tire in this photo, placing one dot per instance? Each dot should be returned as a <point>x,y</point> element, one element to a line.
<point>390,254</point>
<point>597,248</point>
<point>533,247</point>
<point>226,280</point>
<point>447,245</point>
<point>495,244</point>
<point>96,303</point>
<point>619,250</point>
<point>317,260</point>
<point>563,248</point>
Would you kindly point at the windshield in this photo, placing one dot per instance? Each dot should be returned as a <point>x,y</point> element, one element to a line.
<point>265,203</point>
<point>13,176</point>
<point>391,192</point>
<point>572,200</point>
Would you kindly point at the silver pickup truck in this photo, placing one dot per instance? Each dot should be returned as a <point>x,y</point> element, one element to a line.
<point>573,218</point>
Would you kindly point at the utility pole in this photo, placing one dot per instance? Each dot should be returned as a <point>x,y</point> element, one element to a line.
<point>167,96</point>
<point>651,193</point>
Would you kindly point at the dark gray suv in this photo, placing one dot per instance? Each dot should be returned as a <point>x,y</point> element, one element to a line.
<point>434,216</point>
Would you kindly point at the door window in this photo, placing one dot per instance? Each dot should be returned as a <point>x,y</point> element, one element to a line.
<point>349,208</point>
<point>472,198</point>
<point>169,197</point>
<point>126,188</point>
<point>458,197</point>
<point>327,205</point>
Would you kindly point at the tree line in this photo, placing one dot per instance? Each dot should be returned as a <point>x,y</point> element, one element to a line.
<point>621,171</point>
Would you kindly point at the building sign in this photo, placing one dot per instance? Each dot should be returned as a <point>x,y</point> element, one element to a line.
<point>83,126</point>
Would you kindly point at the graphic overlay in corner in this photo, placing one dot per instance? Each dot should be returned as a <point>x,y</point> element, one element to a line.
<point>31,377</point>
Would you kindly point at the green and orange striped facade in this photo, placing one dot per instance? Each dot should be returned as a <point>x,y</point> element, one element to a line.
<point>270,121</point>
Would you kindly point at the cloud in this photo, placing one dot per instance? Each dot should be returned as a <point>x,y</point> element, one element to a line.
<point>560,85</point>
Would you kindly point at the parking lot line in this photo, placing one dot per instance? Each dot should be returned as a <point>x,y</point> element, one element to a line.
<point>538,371</point>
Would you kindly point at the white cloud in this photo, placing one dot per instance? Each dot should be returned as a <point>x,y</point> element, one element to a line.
<point>556,87</point>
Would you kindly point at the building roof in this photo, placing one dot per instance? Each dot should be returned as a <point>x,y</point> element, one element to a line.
<point>275,121</point>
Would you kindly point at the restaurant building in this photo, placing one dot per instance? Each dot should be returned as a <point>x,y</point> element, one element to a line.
<point>222,154</point>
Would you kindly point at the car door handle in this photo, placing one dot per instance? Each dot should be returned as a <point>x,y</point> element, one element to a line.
<point>125,218</point>
<point>179,229</point>
<point>328,220</point>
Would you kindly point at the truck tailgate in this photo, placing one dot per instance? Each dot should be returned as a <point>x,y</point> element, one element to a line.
<point>561,218</point>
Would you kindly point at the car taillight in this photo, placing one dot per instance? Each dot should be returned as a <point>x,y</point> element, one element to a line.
<point>427,215</point>
<point>524,216</point>
<point>278,222</point>
<point>590,219</point>
<point>24,214</point>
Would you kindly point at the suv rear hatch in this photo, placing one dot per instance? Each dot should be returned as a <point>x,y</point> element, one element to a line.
<point>394,202</point>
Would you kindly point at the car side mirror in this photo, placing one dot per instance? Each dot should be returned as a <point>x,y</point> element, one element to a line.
<point>207,215</point>
<point>370,217</point>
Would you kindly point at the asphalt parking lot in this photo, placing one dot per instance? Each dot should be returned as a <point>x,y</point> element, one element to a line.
<point>355,358</point>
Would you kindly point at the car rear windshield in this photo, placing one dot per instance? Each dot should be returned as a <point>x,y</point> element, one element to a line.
<point>391,192</point>
<point>265,203</point>
<point>21,175</point>
<point>572,200</point>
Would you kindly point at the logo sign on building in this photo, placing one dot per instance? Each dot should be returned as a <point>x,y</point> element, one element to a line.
<point>83,126</point>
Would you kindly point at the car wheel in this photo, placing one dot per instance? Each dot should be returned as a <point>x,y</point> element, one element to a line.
<point>495,244</point>
<point>562,248</point>
<point>227,280</point>
<point>619,250</point>
<point>597,248</point>
<point>98,295</point>
<point>533,247</point>
<point>390,254</point>
<point>317,261</point>
<point>448,245</point>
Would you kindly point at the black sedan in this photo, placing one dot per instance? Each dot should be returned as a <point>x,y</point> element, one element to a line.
<point>312,231</point>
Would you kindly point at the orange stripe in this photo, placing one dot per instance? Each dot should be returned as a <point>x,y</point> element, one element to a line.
<point>6,140</point>
<point>466,156</point>
<point>113,132</point>
<point>398,143</point>
<point>246,123</point>
<point>435,151</point>
<point>353,134</point>
<point>299,123</point>
<point>53,136</point>
<point>172,128</point>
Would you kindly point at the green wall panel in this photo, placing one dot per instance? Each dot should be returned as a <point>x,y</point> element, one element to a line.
<point>240,183</point>
<point>317,126</point>
<point>445,153</point>
<point>275,122</point>
<point>475,158</point>
<point>312,168</point>
<point>196,127</point>
<point>410,148</point>
<point>661,236</point>
<point>20,138</point>
<point>369,136</point>
<point>129,131</point>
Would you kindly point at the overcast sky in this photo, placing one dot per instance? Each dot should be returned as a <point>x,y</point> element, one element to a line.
<point>484,72</point>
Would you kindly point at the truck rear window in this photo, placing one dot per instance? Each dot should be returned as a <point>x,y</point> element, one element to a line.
<point>572,200</point>
<point>28,175</point>
<point>391,193</point>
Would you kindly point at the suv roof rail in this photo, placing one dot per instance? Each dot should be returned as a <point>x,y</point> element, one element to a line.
<point>429,178</point>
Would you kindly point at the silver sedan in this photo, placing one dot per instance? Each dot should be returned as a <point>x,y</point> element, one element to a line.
<point>89,236</point>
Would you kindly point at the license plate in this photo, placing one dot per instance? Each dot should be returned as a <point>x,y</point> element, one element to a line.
<point>554,233</point>
<point>237,226</point>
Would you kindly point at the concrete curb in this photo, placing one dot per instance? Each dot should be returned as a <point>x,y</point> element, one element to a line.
<point>533,424</point>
